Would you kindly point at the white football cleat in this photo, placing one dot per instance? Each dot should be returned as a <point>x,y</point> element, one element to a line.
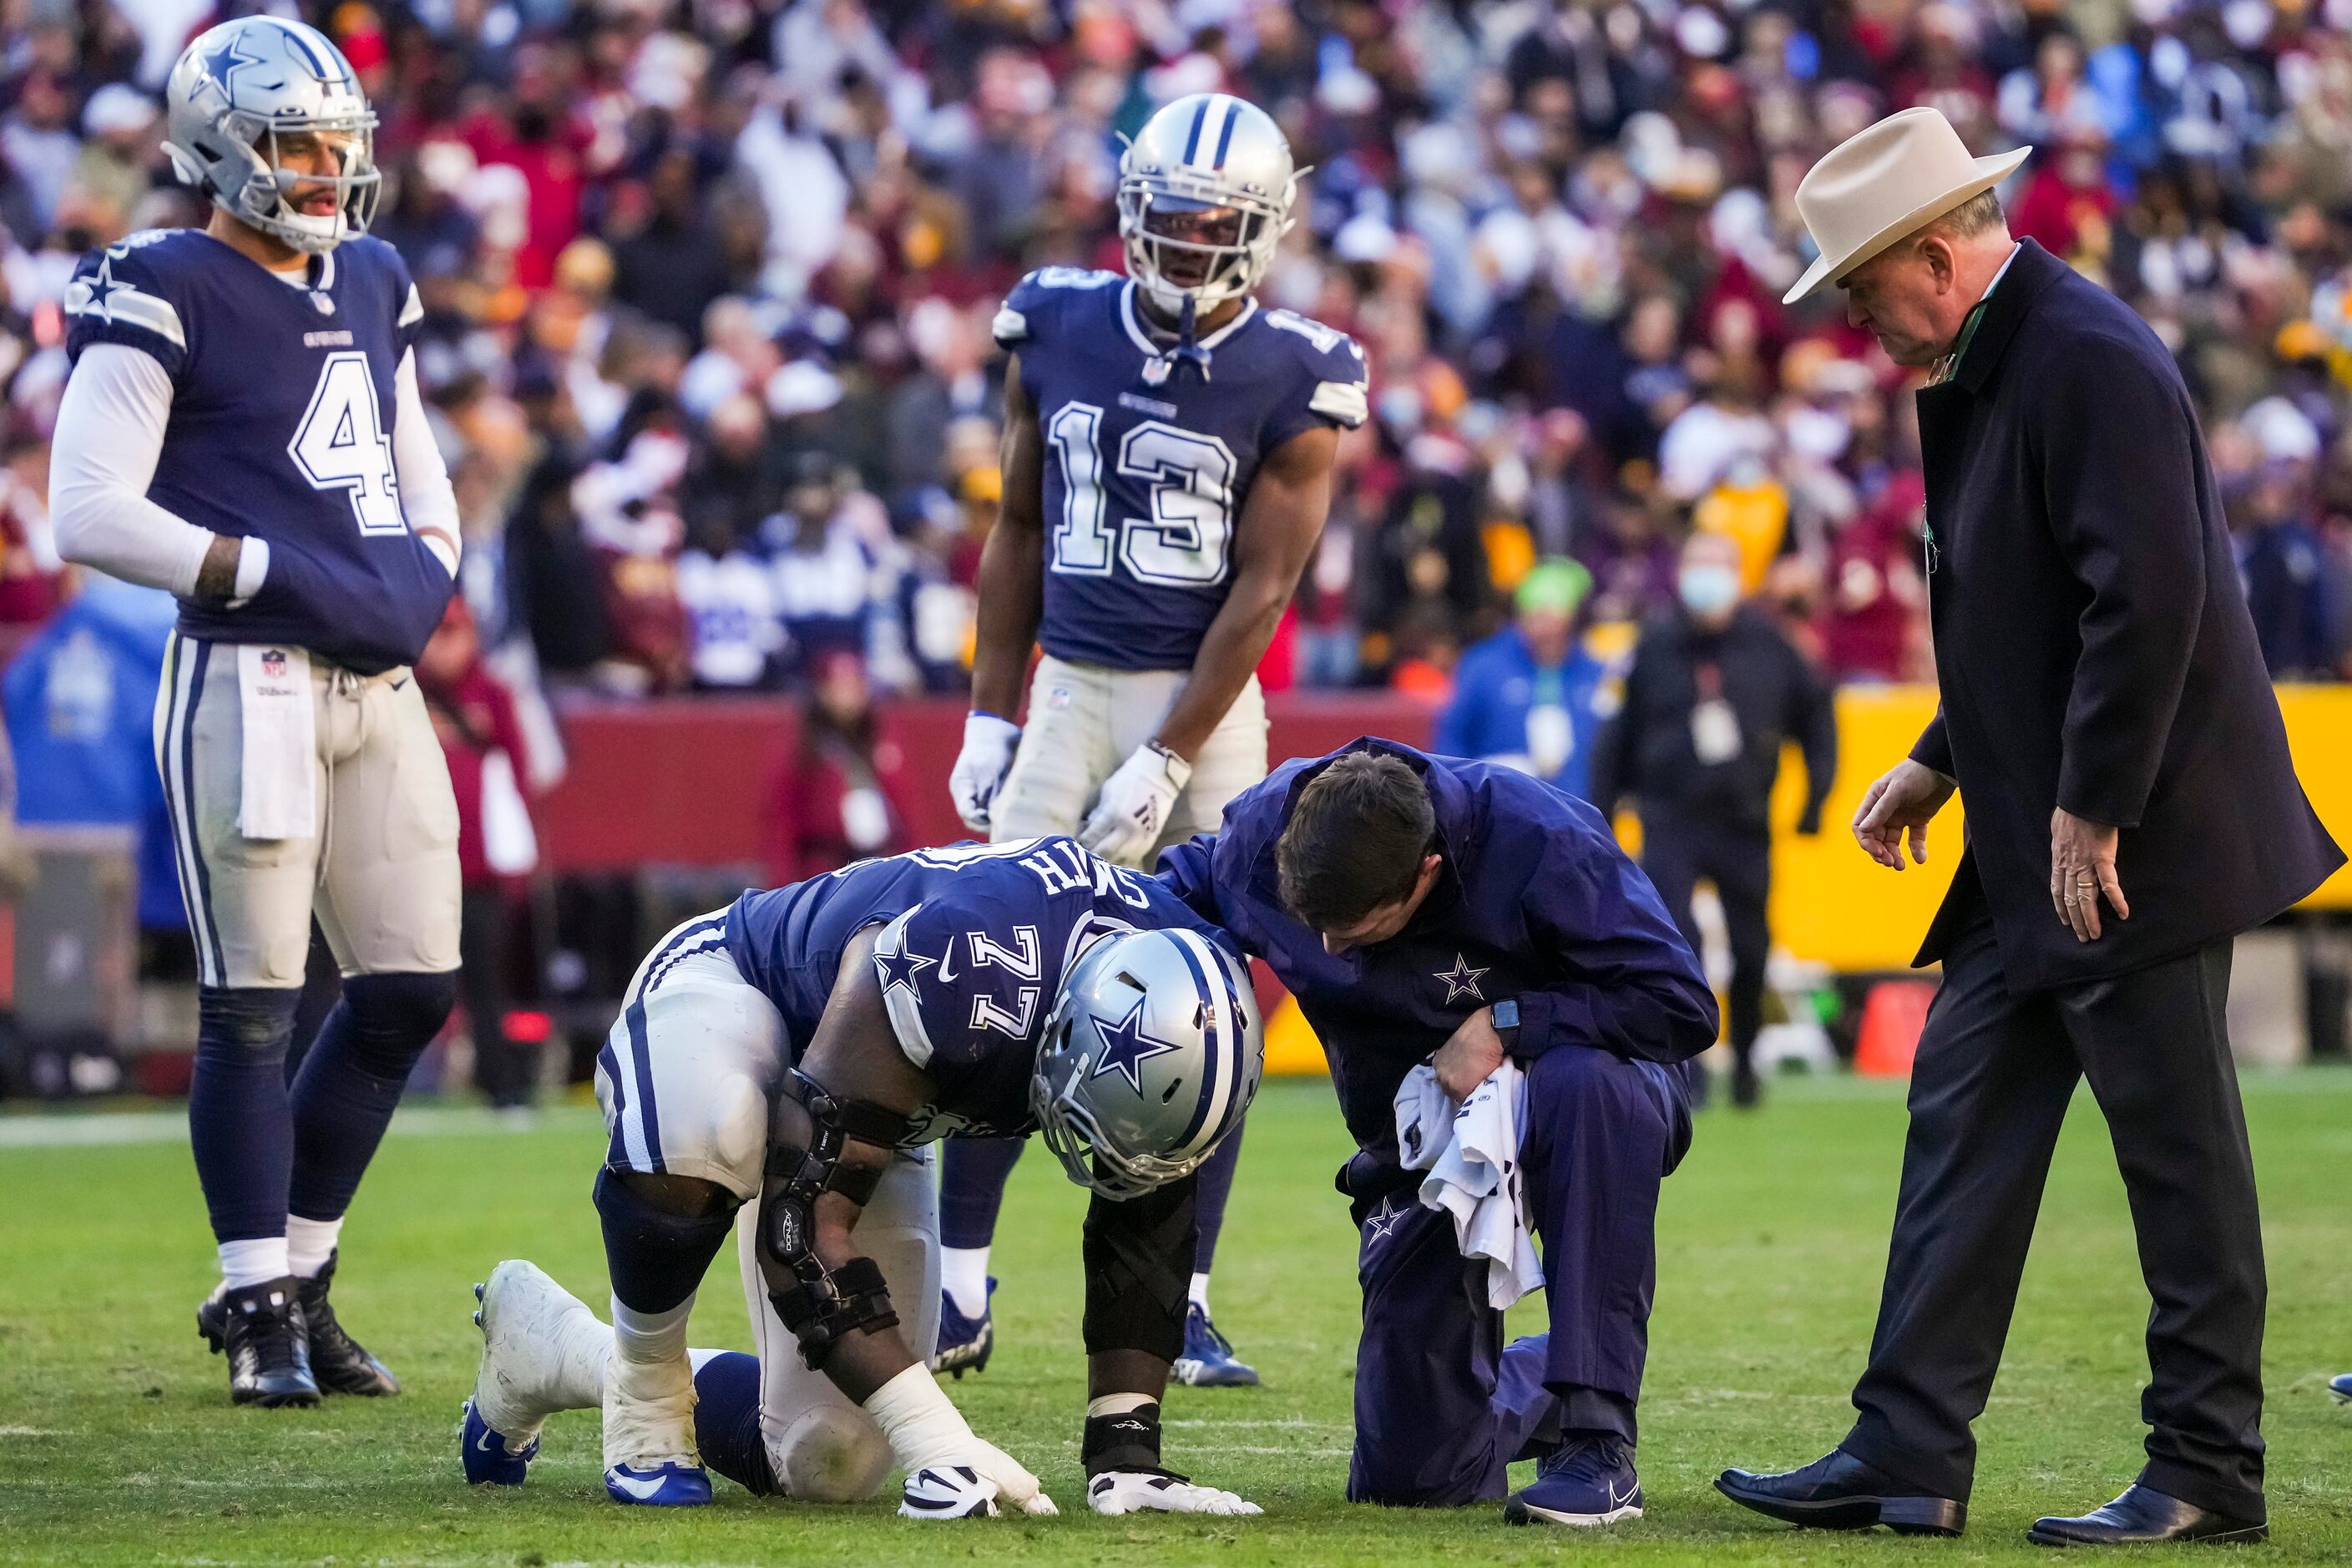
<point>649,1452</point>
<point>948,1491</point>
<point>542,1350</point>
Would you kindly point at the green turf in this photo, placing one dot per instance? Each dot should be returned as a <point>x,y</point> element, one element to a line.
<point>117,1443</point>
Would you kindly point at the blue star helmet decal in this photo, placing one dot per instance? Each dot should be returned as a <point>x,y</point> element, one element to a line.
<point>222,63</point>
<point>1126,1047</point>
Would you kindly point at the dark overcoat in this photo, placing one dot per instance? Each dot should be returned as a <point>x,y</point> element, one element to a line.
<point>2092,643</point>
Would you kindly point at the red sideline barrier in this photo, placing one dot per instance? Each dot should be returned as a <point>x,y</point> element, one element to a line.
<point>680,782</point>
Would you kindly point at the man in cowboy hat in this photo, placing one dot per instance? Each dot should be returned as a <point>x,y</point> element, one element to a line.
<point>2131,807</point>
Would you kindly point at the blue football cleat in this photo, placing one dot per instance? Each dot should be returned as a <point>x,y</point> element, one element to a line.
<point>965,1344</point>
<point>1587,1481</point>
<point>658,1485</point>
<point>487,1461</point>
<point>1208,1361</point>
<point>2340,1385</point>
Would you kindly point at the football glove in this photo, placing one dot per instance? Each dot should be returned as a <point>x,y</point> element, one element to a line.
<point>1132,810</point>
<point>1159,1491</point>
<point>981,766</point>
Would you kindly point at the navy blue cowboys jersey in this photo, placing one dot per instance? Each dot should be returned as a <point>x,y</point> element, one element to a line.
<point>1147,461</point>
<point>976,940</point>
<point>282,413</point>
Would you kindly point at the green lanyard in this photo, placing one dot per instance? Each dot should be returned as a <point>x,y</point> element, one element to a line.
<point>1949,366</point>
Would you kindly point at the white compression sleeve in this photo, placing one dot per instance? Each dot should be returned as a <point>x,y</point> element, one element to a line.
<point>426,498</point>
<point>109,434</point>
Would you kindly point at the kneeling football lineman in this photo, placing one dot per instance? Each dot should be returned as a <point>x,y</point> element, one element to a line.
<point>779,1066</point>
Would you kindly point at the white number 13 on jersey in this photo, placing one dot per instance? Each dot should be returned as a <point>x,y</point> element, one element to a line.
<point>342,444</point>
<point>1185,539</point>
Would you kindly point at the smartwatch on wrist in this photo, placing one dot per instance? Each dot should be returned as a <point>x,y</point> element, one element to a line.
<point>1506,1021</point>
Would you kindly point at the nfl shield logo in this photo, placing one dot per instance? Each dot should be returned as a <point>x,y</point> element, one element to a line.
<point>273,664</point>
<point>1155,371</point>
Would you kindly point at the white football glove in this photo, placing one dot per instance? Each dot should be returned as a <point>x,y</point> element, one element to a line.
<point>951,1473</point>
<point>1159,1491</point>
<point>1132,810</point>
<point>981,766</point>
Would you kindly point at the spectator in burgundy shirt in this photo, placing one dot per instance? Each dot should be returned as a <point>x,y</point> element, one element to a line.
<point>841,794</point>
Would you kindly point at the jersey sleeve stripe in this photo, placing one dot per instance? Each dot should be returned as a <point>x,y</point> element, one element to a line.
<point>1344,401</point>
<point>127,305</point>
<point>1009,327</point>
<point>898,1001</point>
<point>413,311</point>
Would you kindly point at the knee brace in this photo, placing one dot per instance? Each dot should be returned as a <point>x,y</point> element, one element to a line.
<point>805,1139</point>
<point>655,1258</point>
<point>394,1018</point>
<point>245,1021</point>
<point>1138,1258</point>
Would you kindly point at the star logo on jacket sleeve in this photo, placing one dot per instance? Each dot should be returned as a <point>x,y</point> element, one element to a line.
<point>902,968</point>
<point>1461,981</point>
<point>1126,1047</point>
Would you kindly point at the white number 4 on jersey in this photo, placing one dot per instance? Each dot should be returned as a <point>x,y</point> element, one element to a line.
<point>342,444</point>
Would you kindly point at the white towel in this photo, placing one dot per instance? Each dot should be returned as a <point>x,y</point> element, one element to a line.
<point>1472,1154</point>
<point>279,795</point>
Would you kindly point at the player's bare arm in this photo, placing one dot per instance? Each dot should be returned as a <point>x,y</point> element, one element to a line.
<point>1279,525</point>
<point>1012,562</point>
<point>1011,602</point>
<point>856,1061</point>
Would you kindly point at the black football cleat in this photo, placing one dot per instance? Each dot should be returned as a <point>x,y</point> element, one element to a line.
<point>1838,1491</point>
<point>260,1329</point>
<point>2145,1517</point>
<point>339,1362</point>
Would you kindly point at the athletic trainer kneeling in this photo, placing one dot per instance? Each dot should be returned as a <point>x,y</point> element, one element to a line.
<point>1431,909</point>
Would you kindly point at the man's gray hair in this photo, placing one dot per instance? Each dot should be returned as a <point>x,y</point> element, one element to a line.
<point>1972,217</point>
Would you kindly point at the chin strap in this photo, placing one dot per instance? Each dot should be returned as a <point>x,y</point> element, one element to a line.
<point>1188,349</point>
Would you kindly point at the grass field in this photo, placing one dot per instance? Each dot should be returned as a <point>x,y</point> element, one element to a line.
<point>117,1443</point>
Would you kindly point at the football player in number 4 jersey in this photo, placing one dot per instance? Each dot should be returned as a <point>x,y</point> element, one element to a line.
<point>1168,457</point>
<point>242,426</point>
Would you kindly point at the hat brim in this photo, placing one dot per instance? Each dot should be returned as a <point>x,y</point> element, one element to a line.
<point>1990,172</point>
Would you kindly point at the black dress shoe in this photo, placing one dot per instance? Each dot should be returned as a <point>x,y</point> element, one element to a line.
<point>2142,1518</point>
<point>1839,1492</point>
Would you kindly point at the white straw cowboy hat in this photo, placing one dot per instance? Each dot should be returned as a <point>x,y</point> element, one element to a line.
<point>1881,184</point>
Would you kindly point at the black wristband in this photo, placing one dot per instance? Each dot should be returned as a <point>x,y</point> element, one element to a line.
<point>1126,1441</point>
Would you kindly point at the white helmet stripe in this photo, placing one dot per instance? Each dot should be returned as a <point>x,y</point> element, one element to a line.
<point>1219,1076</point>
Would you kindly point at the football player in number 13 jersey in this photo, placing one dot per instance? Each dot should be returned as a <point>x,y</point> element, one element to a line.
<point>1168,448</point>
<point>242,428</point>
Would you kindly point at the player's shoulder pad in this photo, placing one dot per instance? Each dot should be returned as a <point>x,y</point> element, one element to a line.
<point>1027,312</point>
<point>1339,386</point>
<point>964,960</point>
<point>132,292</point>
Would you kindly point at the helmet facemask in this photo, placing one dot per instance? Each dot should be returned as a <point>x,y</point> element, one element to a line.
<point>277,199</point>
<point>1189,239</point>
<point>1091,1158</point>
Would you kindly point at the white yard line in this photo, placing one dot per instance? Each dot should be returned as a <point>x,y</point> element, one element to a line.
<point>111,1128</point>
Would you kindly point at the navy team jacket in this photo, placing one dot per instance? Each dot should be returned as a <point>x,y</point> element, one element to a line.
<point>1536,901</point>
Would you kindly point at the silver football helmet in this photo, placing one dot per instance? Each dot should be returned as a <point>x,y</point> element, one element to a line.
<point>236,90</point>
<point>1153,1052</point>
<point>1205,191</point>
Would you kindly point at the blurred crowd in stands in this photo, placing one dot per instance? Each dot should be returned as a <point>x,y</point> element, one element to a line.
<point>708,286</point>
